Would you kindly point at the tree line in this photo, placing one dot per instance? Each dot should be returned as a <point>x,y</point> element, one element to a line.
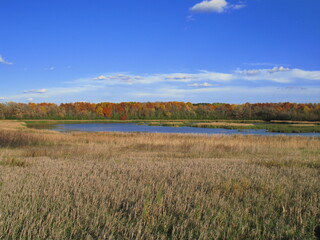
<point>160,110</point>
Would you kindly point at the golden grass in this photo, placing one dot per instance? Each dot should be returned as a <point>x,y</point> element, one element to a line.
<point>157,186</point>
<point>11,125</point>
<point>224,124</point>
<point>296,122</point>
<point>170,122</point>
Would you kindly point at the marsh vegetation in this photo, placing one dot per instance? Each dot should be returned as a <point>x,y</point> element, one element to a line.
<point>156,186</point>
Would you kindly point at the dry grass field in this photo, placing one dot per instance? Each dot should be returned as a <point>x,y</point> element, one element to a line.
<point>156,186</point>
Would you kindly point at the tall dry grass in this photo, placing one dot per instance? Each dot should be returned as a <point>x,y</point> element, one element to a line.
<point>158,186</point>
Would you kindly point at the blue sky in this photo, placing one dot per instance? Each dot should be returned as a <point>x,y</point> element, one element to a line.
<point>233,51</point>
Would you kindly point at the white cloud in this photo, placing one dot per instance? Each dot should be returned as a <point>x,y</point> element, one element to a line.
<point>307,75</point>
<point>2,60</point>
<point>37,91</point>
<point>218,6</point>
<point>118,77</point>
<point>278,69</point>
<point>179,76</point>
<point>215,76</point>
<point>249,72</point>
<point>42,91</point>
<point>200,85</point>
<point>178,85</point>
<point>30,99</point>
<point>101,77</point>
<point>124,78</point>
<point>113,79</point>
<point>276,74</point>
<point>2,98</point>
<point>200,76</point>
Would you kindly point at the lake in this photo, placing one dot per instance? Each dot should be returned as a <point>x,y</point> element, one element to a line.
<point>134,127</point>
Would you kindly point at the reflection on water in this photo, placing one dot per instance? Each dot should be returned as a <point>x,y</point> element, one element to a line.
<point>134,127</point>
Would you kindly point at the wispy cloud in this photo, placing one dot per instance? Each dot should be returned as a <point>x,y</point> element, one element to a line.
<point>304,75</point>
<point>197,86</point>
<point>275,74</point>
<point>217,6</point>
<point>30,99</point>
<point>250,72</point>
<point>201,85</point>
<point>50,68</point>
<point>111,79</point>
<point>42,91</point>
<point>237,6</point>
<point>264,64</point>
<point>278,69</point>
<point>233,94</point>
<point>101,77</point>
<point>179,77</point>
<point>2,98</point>
<point>60,92</point>
<point>3,61</point>
<point>118,77</point>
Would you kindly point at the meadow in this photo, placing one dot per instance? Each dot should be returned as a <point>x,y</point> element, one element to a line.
<point>156,186</point>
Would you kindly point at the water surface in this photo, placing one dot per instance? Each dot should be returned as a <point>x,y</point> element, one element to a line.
<point>134,127</point>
